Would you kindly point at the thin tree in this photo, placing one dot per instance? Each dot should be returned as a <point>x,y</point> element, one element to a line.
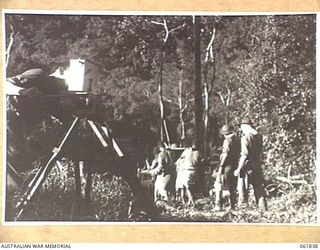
<point>198,110</point>
<point>226,100</point>
<point>209,60</point>
<point>11,40</point>
<point>163,123</point>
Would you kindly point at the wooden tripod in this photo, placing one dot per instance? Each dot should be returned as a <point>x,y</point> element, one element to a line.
<point>112,148</point>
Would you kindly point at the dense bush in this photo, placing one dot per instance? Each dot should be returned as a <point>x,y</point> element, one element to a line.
<point>261,66</point>
<point>56,200</point>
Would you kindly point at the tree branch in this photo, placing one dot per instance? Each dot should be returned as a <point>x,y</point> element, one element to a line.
<point>177,28</point>
<point>167,31</point>
<point>228,98</point>
<point>10,45</point>
<point>157,23</point>
<point>209,50</point>
<point>146,93</point>
<point>221,97</point>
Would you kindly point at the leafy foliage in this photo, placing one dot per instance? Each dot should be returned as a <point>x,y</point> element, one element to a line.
<point>264,66</point>
<point>111,198</point>
<point>56,201</point>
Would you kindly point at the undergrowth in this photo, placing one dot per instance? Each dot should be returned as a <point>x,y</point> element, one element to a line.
<point>111,196</point>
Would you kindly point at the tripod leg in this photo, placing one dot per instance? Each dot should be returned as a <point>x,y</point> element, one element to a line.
<point>44,171</point>
<point>114,143</point>
<point>98,134</point>
<point>125,171</point>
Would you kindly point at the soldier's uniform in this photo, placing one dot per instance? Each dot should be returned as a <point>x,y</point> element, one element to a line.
<point>187,170</point>
<point>229,158</point>
<point>188,163</point>
<point>163,173</point>
<point>251,172</point>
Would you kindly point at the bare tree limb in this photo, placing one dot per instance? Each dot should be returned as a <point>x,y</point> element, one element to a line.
<point>221,97</point>
<point>177,28</point>
<point>167,31</point>
<point>206,90</point>
<point>291,181</point>
<point>146,93</point>
<point>12,34</point>
<point>184,107</point>
<point>169,101</point>
<point>163,121</point>
<point>228,98</point>
<point>157,23</point>
<point>209,50</point>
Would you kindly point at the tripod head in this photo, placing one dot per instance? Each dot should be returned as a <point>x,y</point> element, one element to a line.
<point>62,106</point>
<point>64,93</point>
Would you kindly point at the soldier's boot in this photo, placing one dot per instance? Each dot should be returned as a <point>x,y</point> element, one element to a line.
<point>218,198</point>
<point>156,195</point>
<point>243,200</point>
<point>177,197</point>
<point>218,202</point>
<point>233,199</point>
<point>182,191</point>
<point>262,204</point>
<point>190,198</point>
<point>260,196</point>
<point>243,193</point>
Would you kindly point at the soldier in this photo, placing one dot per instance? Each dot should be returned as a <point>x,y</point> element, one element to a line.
<point>228,163</point>
<point>249,167</point>
<point>187,167</point>
<point>161,168</point>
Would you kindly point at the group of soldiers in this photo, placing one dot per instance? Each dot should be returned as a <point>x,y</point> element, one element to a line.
<point>239,166</point>
<point>239,160</point>
<point>174,173</point>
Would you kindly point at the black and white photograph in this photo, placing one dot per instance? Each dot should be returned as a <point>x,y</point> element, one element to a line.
<point>160,117</point>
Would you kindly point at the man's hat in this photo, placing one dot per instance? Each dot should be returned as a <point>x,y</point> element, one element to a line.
<point>226,130</point>
<point>33,73</point>
<point>246,120</point>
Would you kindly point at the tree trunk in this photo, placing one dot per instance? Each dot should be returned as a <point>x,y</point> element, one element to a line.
<point>161,97</point>
<point>197,82</point>
<point>209,59</point>
<point>206,120</point>
<point>181,108</point>
<point>9,46</point>
<point>198,101</point>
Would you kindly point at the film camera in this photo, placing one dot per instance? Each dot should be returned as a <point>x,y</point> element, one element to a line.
<point>63,93</point>
<point>67,94</point>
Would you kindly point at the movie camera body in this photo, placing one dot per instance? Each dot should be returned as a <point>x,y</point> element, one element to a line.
<point>65,92</point>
